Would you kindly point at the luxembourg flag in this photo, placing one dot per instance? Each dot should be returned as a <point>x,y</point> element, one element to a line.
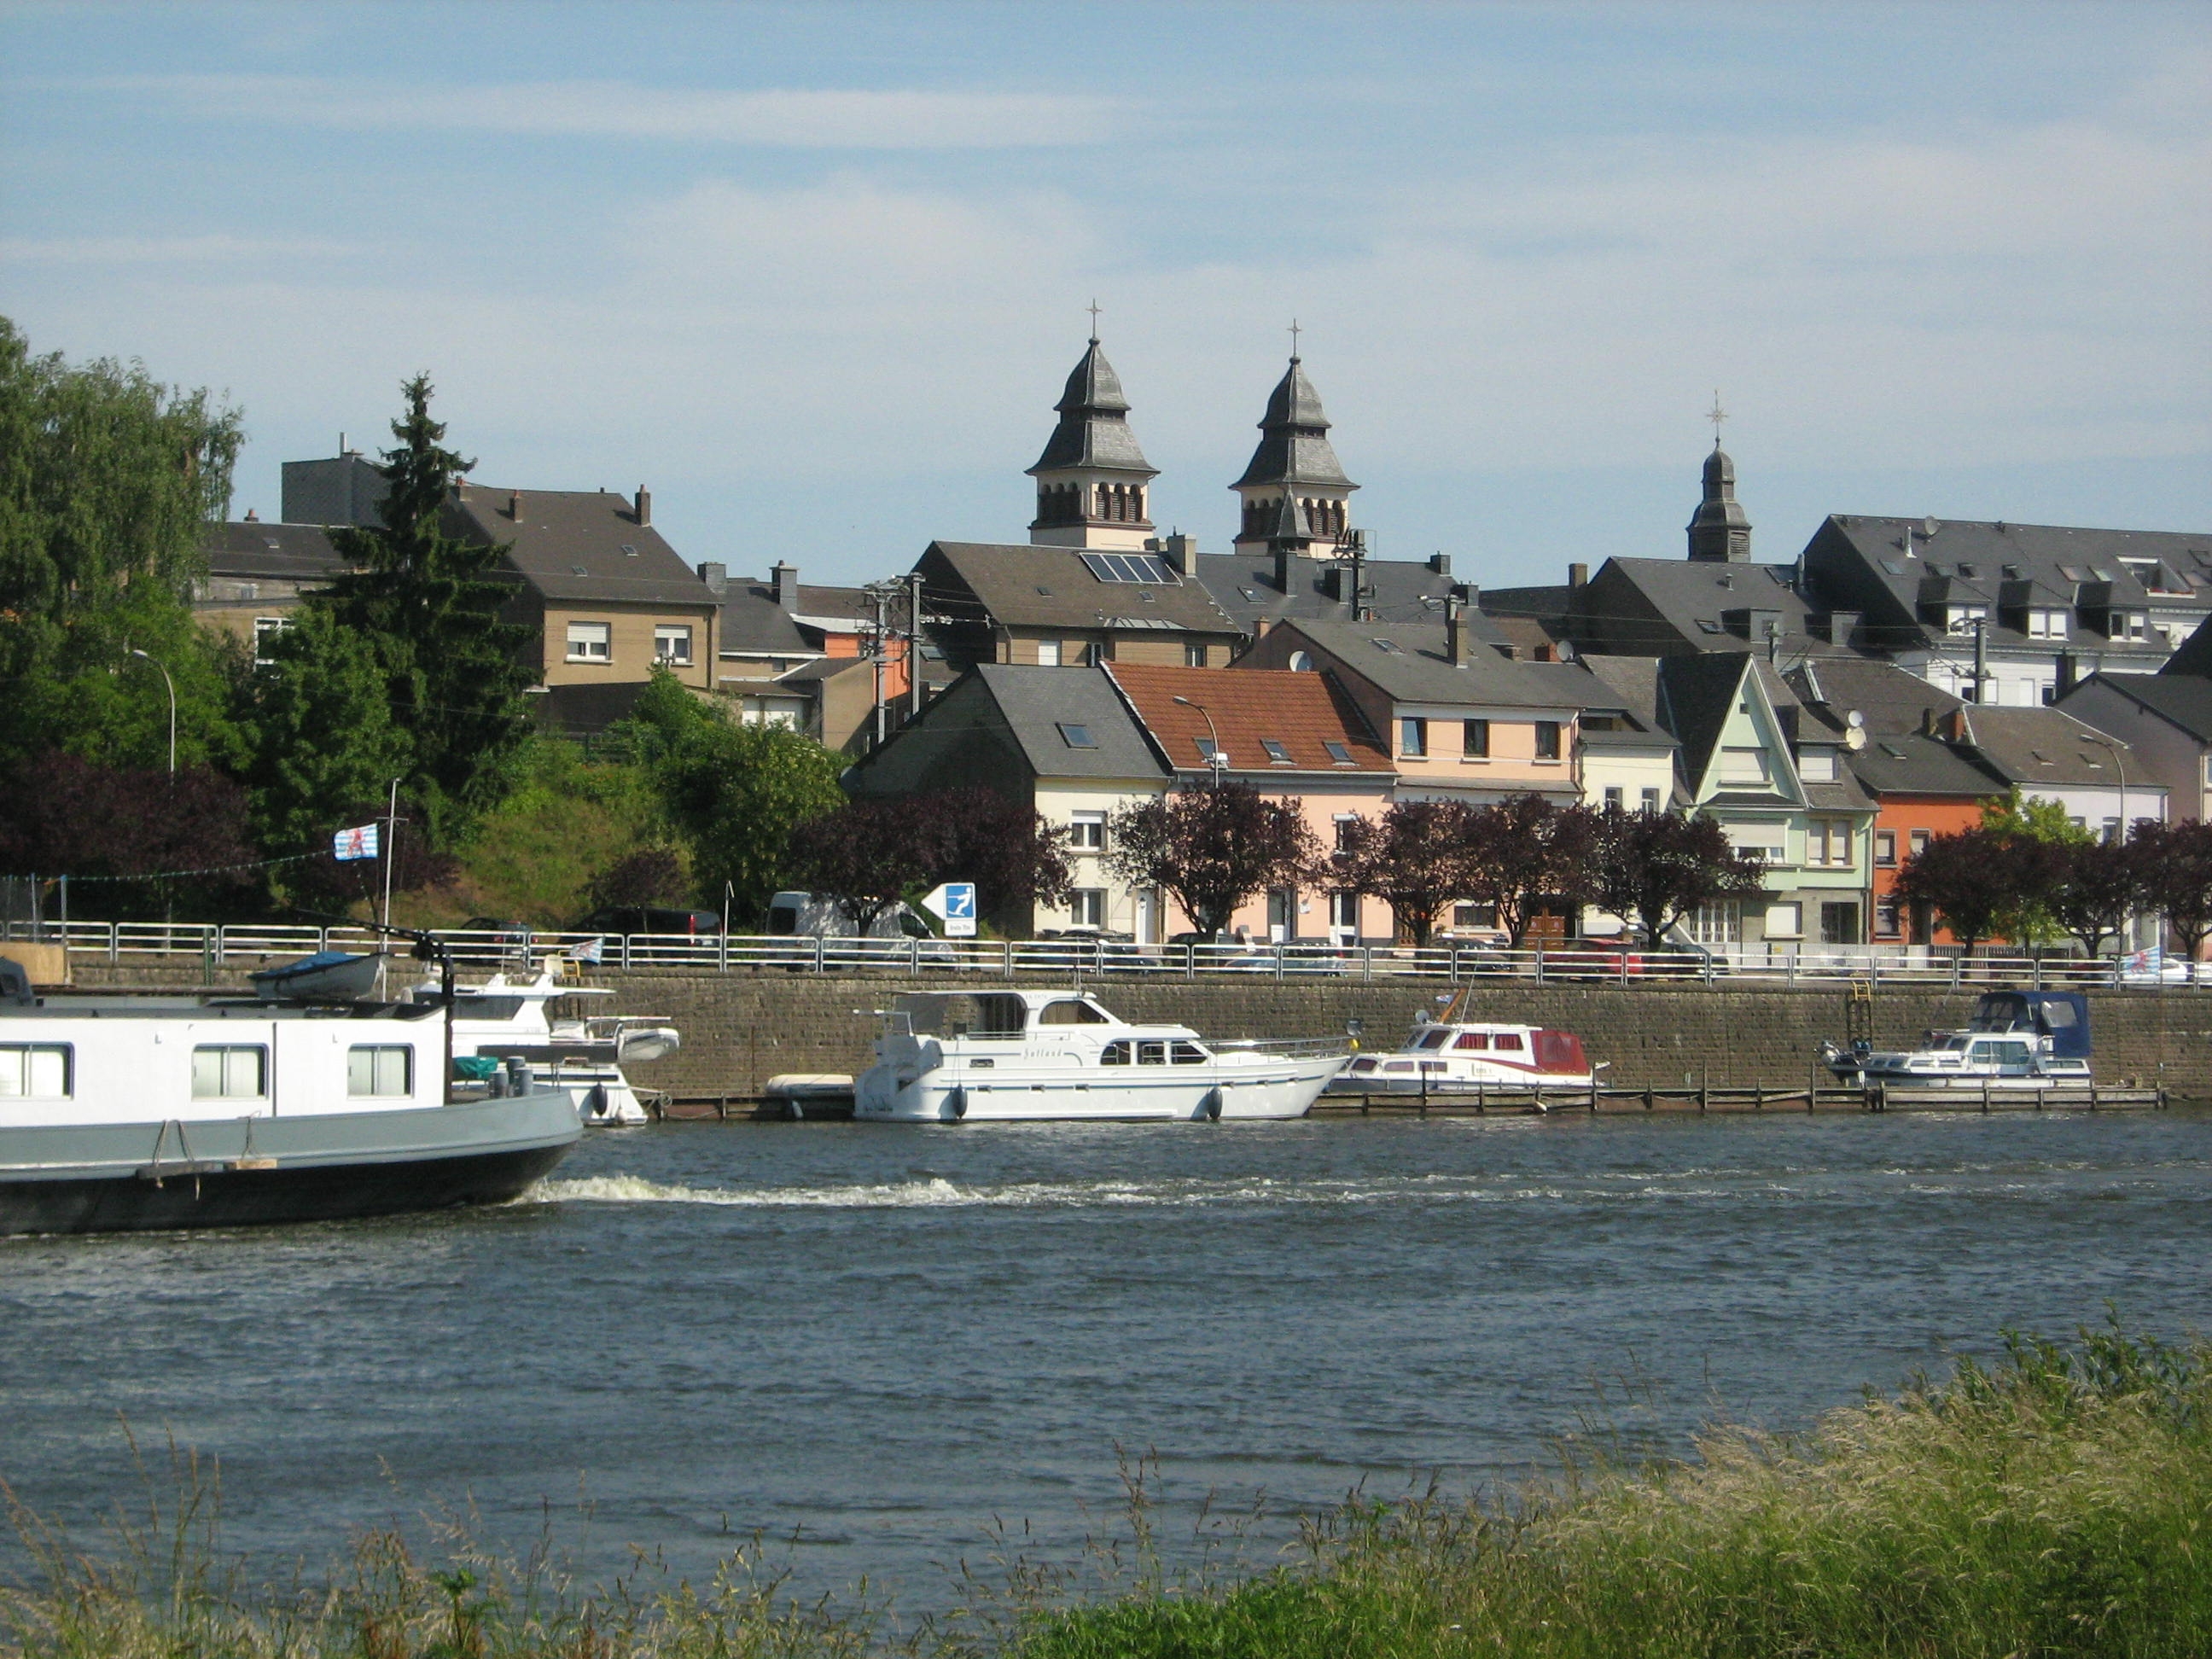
<point>355,843</point>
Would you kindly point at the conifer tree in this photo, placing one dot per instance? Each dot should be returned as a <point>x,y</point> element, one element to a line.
<point>430,603</point>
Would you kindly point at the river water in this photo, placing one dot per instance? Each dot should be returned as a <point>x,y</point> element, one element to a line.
<point>873,1339</point>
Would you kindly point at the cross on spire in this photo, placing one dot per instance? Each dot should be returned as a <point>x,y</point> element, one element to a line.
<point>1294,340</point>
<point>1716,415</point>
<point>1094,325</point>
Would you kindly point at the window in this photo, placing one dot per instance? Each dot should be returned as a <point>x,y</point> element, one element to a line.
<point>1098,652</point>
<point>265,632</point>
<point>1785,920</point>
<point>1743,766</point>
<point>2126,625</point>
<point>1337,751</point>
<point>1547,740</point>
<point>1817,765</point>
<point>1413,736</point>
<point>1828,841</point>
<point>1086,906</point>
<point>1472,916</point>
<point>1616,798</point>
<point>1048,654</point>
<point>1719,922</point>
<point>35,1071</point>
<point>1474,739</point>
<point>1649,801</point>
<point>380,1070</point>
<point>1115,1053</point>
<point>238,1072</point>
<point>1151,1053</point>
<point>1278,753</point>
<point>1388,647</point>
<point>1917,841</point>
<point>1961,619</point>
<point>1472,1040</point>
<point>1071,1012</point>
<point>1885,849</point>
<point>1888,921</point>
<point>1186,1054</point>
<point>1086,832</point>
<point>1344,911</point>
<point>1840,923</point>
<point>1344,830</point>
<point>591,641</point>
<point>1194,654</point>
<point>1075,735</point>
<point>2046,624</point>
<point>1129,567</point>
<point>671,644</point>
<point>2112,832</point>
<point>1206,751</point>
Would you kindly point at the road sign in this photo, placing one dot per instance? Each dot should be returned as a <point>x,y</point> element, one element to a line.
<point>953,902</point>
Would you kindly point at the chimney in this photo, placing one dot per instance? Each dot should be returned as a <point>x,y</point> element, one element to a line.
<point>1454,635</point>
<point>786,578</point>
<point>1927,722</point>
<point>1957,726</point>
<point>514,505</point>
<point>716,576</point>
<point>1440,564</point>
<point>1282,566</point>
<point>1336,581</point>
<point>2069,670</point>
<point>252,517</point>
<point>1842,624</point>
<point>644,505</point>
<point>1180,551</point>
<point>1577,576</point>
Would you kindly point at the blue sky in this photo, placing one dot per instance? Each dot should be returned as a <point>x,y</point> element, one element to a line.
<point>814,274</point>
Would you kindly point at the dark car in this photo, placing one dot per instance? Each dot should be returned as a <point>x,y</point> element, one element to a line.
<point>649,919</point>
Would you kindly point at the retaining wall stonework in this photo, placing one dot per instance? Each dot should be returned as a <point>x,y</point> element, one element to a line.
<point>741,1029</point>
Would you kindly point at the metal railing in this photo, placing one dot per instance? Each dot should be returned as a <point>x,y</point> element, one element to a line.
<point>255,944</point>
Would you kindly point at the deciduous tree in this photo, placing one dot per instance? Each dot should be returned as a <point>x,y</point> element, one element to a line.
<point>152,842</point>
<point>1212,849</point>
<point>1415,858</point>
<point>2099,886</point>
<point>1524,852</point>
<point>1653,869</point>
<point>2176,873</point>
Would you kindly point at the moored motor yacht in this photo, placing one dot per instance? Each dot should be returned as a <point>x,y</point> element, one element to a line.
<point>507,1019</point>
<point>2016,1040</point>
<point>1451,1053</point>
<point>953,1057</point>
<point>121,1114</point>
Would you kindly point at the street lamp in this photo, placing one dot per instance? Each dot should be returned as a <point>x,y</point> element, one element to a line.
<point>172,684</point>
<point>1214,757</point>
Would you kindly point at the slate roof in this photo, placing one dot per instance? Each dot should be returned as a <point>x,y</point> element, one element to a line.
<point>2183,701</point>
<point>1634,681</point>
<point>754,624</point>
<point>1891,699</point>
<point>1404,591</point>
<point>1697,694</point>
<point>1299,711</point>
<point>1698,600</point>
<point>1888,567</point>
<point>2047,746</point>
<point>1294,446</point>
<point>835,609</point>
<point>275,552</point>
<point>581,545</point>
<point>1912,764</point>
<point>1007,578</point>
<point>1094,427</point>
<point>1037,703</point>
<point>1406,662</point>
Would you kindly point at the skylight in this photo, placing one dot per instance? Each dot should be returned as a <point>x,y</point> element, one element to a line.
<point>1277,752</point>
<point>1386,644</point>
<point>2101,574</point>
<point>1129,568</point>
<point>1044,593</point>
<point>579,570</point>
<point>2069,573</point>
<point>1077,736</point>
<point>1892,566</point>
<point>629,551</point>
<point>1337,751</point>
<point>1707,625</point>
<point>1205,751</point>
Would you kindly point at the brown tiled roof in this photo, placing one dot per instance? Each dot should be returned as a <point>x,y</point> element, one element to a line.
<point>1302,712</point>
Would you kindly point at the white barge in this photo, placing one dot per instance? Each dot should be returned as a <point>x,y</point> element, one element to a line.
<point>956,1057</point>
<point>121,1114</point>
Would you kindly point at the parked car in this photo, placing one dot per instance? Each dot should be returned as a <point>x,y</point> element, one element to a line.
<point>649,919</point>
<point>796,915</point>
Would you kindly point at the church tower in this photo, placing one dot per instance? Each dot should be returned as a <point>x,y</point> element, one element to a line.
<point>1294,480</point>
<point>1092,481</point>
<point>1719,531</point>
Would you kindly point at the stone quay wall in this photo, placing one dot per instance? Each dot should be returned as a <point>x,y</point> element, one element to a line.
<point>742,1028</point>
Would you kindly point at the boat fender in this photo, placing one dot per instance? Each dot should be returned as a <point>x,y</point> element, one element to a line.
<point>1213,1105</point>
<point>957,1101</point>
<point>595,1102</point>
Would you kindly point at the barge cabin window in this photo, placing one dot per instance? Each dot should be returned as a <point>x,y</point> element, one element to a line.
<point>380,1070</point>
<point>34,1071</point>
<point>238,1072</point>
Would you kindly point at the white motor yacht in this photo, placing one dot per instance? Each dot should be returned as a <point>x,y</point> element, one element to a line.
<point>507,1018</point>
<point>954,1057</point>
<point>2016,1040</point>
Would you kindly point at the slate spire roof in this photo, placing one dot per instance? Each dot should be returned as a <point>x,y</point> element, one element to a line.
<point>1720,529</point>
<point>1294,446</point>
<point>1094,427</point>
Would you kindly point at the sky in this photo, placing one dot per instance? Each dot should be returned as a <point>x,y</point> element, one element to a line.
<point>815,274</point>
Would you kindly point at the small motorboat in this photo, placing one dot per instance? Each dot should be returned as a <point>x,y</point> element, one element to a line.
<point>955,1057</point>
<point>2016,1040</point>
<point>1449,1053</point>
<point>507,1018</point>
<point>327,976</point>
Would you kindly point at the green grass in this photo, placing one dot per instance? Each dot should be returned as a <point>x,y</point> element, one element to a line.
<point>2056,1503</point>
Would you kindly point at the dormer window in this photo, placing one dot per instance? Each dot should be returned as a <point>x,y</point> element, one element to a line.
<point>2126,625</point>
<point>2047,625</point>
<point>1961,619</point>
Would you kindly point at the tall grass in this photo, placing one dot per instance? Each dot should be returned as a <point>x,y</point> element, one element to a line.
<point>2058,1502</point>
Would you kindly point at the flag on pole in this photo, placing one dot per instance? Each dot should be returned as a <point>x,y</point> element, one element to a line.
<point>589,951</point>
<point>359,843</point>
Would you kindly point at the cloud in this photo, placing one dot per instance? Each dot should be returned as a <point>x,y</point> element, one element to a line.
<point>784,118</point>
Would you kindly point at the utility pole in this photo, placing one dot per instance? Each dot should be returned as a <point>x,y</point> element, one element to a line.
<point>876,655</point>
<point>914,644</point>
<point>391,849</point>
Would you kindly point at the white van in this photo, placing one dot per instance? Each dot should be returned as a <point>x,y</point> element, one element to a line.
<point>819,916</point>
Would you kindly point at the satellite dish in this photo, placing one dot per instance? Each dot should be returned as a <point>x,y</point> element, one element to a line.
<point>1929,528</point>
<point>1855,720</point>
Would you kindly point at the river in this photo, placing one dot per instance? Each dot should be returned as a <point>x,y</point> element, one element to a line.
<point>873,1339</point>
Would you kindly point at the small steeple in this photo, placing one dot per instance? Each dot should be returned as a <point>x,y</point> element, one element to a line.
<point>1720,531</point>
<point>1295,463</point>
<point>1092,477</point>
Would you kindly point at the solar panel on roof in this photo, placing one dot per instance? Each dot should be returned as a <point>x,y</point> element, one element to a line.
<point>1127,567</point>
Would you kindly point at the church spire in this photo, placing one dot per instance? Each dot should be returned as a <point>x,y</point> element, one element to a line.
<point>1719,531</point>
<point>1092,478</point>
<point>1295,463</point>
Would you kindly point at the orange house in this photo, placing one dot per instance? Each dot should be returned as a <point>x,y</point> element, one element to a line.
<point>1922,787</point>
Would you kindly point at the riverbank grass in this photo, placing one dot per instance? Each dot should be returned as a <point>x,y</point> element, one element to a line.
<point>2058,1502</point>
